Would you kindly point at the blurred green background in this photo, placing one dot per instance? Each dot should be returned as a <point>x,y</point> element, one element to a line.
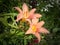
<point>10,35</point>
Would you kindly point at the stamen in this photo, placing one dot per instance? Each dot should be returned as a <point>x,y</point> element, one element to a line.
<point>25,14</point>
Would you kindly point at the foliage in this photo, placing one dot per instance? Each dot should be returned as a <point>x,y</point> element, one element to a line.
<point>11,35</point>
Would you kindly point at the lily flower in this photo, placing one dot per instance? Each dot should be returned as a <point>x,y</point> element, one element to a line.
<point>36,28</point>
<point>25,14</point>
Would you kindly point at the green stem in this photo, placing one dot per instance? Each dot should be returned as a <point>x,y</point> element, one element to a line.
<point>13,26</point>
<point>25,41</point>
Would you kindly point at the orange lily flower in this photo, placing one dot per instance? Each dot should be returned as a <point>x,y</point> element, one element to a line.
<point>25,14</point>
<point>36,28</point>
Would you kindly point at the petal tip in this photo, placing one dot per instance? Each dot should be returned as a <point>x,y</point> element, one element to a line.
<point>34,8</point>
<point>24,4</point>
<point>42,22</point>
<point>40,15</point>
<point>26,33</point>
<point>15,7</point>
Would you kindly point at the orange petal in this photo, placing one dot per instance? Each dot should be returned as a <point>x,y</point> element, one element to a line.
<point>35,21</point>
<point>38,36</point>
<point>18,9</point>
<point>19,16</point>
<point>31,17</point>
<point>28,21</point>
<point>25,7</point>
<point>38,15</point>
<point>32,11</point>
<point>43,30</point>
<point>40,24</point>
<point>29,31</point>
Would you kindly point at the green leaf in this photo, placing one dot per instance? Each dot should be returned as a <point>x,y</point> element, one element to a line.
<point>4,21</point>
<point>20,33</point>
<point>12,31</point>
<point>55,30</point>
<point>9,14</point>
<point>29,37</point>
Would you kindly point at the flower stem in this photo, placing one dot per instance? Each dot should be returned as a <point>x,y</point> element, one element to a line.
<point>25,41</point>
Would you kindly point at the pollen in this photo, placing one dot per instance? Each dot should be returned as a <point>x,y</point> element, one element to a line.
<point>34,28</point>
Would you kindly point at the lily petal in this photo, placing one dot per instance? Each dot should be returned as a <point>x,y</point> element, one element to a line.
<point>25,7</point>
<point>31,17</point>
<point>18,9</point>
<point>38,36</point>
<point>43,30</point>
<point>19,17</point>
<point>29,31</point>
<point>32,11</point>
<point>37,15</point>
<point>35,21</point>
<point>40,24</point>
<point>28,21</point>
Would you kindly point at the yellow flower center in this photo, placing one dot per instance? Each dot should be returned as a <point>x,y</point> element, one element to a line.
<point>25,14</point>
<point>34,28</point>
<point>23,19</point>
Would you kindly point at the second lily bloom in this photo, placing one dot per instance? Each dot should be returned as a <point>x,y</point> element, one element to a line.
<point>36,28</point>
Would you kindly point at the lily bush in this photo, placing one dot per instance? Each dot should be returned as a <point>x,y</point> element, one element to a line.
<point>32,18</point>
<point>25,24</point>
